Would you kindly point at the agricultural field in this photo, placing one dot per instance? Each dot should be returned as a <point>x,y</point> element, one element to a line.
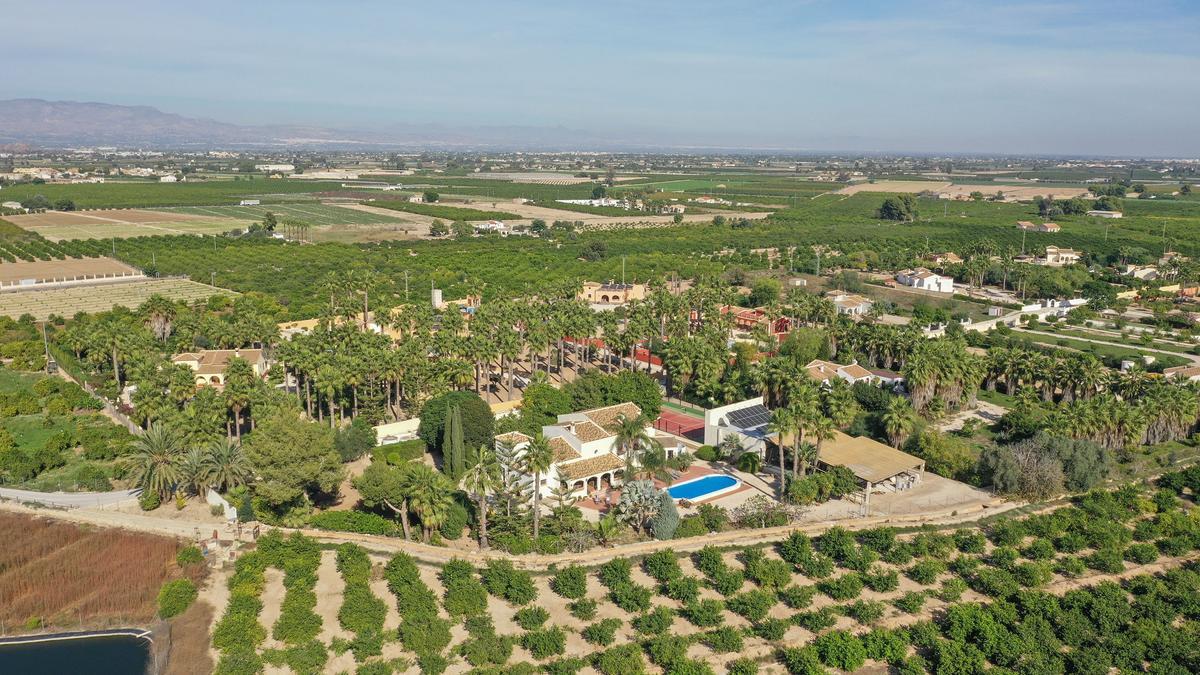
<point>41,304</point>
<point>56,574</point>
<point>1040,594</point>
<point>316,214</point>
<point>153,194</point>
<point>444,211</point>
<point>120,223</point>
<point>67,268</point>
<point>964,190</point>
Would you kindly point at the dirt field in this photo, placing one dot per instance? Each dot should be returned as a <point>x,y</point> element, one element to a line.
<point>590,220</point>
<point>1017,192</point>
<point>49,270</point>
<point>120,223</point>
<point>99,298</point>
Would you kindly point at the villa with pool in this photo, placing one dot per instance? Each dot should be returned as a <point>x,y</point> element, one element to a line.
<point>587,457</point>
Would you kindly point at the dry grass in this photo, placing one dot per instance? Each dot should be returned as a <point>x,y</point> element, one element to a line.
<point>190,654</point>
<point>61,574</point>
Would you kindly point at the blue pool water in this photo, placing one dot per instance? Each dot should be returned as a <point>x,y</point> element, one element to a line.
<point>701,487</point>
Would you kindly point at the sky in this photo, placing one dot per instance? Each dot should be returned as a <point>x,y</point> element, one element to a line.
<point>1077,78</point>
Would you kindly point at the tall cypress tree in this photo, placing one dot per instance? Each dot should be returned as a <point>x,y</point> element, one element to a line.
<point>453,453</point>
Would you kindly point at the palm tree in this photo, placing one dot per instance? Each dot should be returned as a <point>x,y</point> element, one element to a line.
<point>156,460</point>
<point>539,456</point>
<point>898,420</point>
<point>191,470</point>
<point>782,423</point>
<point>225,465</point>
<point>631,435</point>
<point>430,495</point>
<point>480,480</point>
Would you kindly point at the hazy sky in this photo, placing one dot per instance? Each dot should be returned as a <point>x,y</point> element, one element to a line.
<point>1093,77</point>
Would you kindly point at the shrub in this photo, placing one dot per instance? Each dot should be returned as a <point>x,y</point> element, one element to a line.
<point>358,522</point>
<point>505,581</point>
<point>621,660</point>
<point>464,594</point>
<point>1141,554</point>
<point>752,605</point>
<point>727,581</point>
<point>666,650</point>
<point>631,597</point>
<point>456,521</point>
<point>704,613</point>
<point>801,661</point>
<point>841,650</point>
<point>769,573</point>
<point>530,618</point>
<point>583,609</point>
<point>845,587</point>
<point>864,611</point>
<point>715,518</point>
<point>1039,549</point>
<point>1070,567</point>
<point>708,560</point>
<point>655,622</point>
<point>602,633</point>
<point>882,582</point>
<point>911,602</point>
<point>477,419</point>
<point>970,541</point>
<point>175,597</point>
<point>149,500</point>
<point>691,526</point>
<point>797,597</point>
<point>189,555</point>
<point>666,521</point>
<point>662,566</point>
<point>771,630</point>
<point>1108,560</point>
<point>570,582</point>
<point>424,635</point>
<point>706,453</point>
<point>1033,574</point>
<point>724,640</point>
<point>567,666</point>
<point>616,571</point>
<point>952,590</point>
<point>544,643</point>
<point>815,621</point>
<point>682,589</point>
<point>888,646</point>
<point>742,666</point>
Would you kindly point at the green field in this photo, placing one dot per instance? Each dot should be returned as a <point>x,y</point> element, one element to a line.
<point>445,212</point>
<point>149,195</point>
<point>312,213</point>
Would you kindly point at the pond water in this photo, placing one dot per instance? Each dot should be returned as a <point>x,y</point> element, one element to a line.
<point>107,655</point>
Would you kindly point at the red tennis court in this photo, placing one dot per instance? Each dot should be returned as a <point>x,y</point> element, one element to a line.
<point>680,424</point>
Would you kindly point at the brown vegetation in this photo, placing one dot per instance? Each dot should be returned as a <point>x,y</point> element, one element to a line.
<point>59,574</point>
<point>190,654</point>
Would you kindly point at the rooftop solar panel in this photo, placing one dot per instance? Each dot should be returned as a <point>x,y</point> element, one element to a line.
<point>748,418</point>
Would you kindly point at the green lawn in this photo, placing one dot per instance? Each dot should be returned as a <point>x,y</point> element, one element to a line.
<point>1106,350</point>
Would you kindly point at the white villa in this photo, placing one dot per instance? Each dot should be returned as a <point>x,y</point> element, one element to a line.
<point>1057,257</point>
<point>925,280</point>
<point>586,456</point>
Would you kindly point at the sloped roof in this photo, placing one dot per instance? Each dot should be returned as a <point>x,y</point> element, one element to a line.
<point>868,459</point>
<point>513,437</point>
<point>591,466</point>
<point>607,417</point>
<point>563,452</point>
<point>590,431</point>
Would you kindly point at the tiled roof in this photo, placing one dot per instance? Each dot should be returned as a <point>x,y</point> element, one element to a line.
<point>563,452</point>
<point>607,417</point>
<point>590,431</point>
<point>591,466</point>
<point>856,371</point>
<point>513,437</point>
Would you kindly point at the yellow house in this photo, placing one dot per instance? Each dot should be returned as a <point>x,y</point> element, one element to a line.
<point>209,364</point>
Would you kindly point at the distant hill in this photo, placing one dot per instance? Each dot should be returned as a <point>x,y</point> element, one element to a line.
<point>70,123</point>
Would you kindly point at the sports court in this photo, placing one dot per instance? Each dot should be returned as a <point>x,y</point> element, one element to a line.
<point>681,424</point>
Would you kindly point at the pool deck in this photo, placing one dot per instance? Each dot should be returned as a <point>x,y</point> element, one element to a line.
<point>601,501</point>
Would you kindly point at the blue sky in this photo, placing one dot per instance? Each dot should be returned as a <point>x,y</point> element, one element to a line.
<point>1067,77</point>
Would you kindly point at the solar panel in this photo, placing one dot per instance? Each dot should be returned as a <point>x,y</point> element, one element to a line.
<point>748,418</point>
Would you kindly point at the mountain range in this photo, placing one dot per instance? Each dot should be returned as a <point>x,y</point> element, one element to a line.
<point>57,124</point>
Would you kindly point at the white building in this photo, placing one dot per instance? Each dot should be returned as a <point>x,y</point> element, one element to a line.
<point>491,226</point>
<point>250,202</point>
<point>1105,214</point>
<point>827,371</point>
<point>168,179</point>
<point>1057,257</point>
<point>745,420</point>
<point>587,457</point>
<point>275,168</point>
<point>851,304</point>
<point>926,280</point>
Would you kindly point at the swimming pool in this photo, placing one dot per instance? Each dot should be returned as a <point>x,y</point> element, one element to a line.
<point>704,487</point>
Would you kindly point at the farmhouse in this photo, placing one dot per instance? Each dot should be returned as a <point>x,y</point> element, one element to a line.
<point>1057,257</point>
<point>1043,227</point>
<point>209,364</point>
<point>587,456</point>
<point>851,304</point>
<point>491,226</point>
<point>947,258</point>
<point>168,179</point>
<point>674,208</point>
<point>275,168</point>
<point>925,280</point>
<point>1096,213</point>
<point>1143,272</point>
<point>747,319</point>
<point>250,202</point>
<point>611,293</point>
<point>826,371</point>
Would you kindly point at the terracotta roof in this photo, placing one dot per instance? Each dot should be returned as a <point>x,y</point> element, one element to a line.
<point>590,431</point>
<point>607,416</point>
<point>513,437</point>
<point>218,359</point>
<point>591,466</point>
<point>563,452</point>
<point>856,371</point>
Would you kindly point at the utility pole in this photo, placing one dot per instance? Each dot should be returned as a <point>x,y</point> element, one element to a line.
<point>622,270</point>
<point>46,346</point>
<point>406,285</point>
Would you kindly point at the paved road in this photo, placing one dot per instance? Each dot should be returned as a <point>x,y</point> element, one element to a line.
<point>70,500</point>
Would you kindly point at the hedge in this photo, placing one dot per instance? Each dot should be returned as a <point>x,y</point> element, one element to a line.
<point>358,522</point>
<point>175,597</point>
